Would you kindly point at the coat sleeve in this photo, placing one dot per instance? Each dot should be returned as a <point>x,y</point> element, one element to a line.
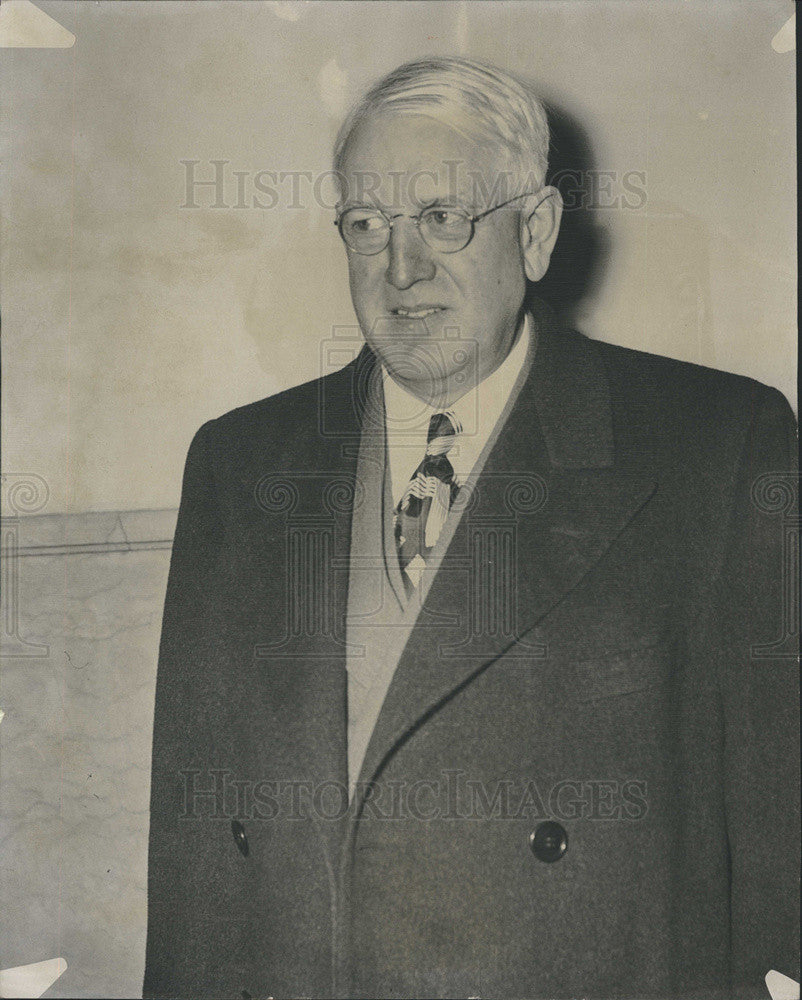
<point>180,734</point>
<point>756,627</point>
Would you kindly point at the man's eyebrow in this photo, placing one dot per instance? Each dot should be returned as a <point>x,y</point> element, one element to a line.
<point>371,201</point>
<point>441,201</point>
<point>445,201</point>
<point>343,206</point>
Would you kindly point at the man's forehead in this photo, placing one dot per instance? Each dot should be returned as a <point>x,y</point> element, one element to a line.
<point>413,160</point>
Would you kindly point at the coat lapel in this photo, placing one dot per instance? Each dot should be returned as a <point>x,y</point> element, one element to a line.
<point>549,502</point>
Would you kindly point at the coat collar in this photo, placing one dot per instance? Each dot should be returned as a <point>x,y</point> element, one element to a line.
<point>569,388</point>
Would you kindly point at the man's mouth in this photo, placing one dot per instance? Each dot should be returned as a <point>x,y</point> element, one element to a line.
<point>416,312</point>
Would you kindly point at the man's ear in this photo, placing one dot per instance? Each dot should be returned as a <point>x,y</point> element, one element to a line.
<point>540,224</point>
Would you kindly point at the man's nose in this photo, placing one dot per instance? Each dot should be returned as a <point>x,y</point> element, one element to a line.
<point>410,258</point>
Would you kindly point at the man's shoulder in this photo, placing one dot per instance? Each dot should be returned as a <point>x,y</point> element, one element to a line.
<point>670,386</point>
<point>653,408</point>
<point>688,416</point>
<point>284,413</point>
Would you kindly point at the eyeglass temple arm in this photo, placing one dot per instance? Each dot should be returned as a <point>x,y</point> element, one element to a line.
<point>481,215</point>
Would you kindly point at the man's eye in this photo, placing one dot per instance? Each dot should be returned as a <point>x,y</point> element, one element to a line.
<point>365,223</point>
<point>445,218</point>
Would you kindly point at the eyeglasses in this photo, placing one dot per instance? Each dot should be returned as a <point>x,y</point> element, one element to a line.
<point>445,228</point>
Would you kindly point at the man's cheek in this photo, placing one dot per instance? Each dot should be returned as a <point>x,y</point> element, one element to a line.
<point>364,280</point>
<point>359,284</point>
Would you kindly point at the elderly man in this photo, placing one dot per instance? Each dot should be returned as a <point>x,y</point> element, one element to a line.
<point>469,681</point>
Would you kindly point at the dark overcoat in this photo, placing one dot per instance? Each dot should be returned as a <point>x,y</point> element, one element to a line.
<point>609,647</point>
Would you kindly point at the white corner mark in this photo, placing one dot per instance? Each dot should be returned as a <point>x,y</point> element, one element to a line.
<point>24,26</point>
<point>785,39</point>
<point>30,980</point>
<point>781,987</point>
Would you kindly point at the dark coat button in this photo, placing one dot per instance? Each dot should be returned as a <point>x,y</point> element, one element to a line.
<point>549,842</point>
<point>239,837</point>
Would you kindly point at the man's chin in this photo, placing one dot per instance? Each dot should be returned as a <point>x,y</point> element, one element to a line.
<point>418,363</point>
<point>422,354</point>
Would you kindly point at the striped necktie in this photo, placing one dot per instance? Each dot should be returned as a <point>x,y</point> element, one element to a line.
<point>422,510</point>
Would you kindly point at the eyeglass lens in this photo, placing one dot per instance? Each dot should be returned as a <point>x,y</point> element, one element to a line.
<point>367,231</point>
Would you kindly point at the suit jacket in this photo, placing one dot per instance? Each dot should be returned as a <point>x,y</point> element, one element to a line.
<point>609,647</point>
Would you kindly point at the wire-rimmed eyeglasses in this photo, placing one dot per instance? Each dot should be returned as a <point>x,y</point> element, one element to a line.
<point>445,228</point>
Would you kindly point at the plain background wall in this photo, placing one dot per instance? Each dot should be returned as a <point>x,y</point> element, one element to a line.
<point>128,320</point>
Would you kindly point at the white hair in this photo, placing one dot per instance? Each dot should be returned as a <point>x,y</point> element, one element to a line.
<point>475,99</point>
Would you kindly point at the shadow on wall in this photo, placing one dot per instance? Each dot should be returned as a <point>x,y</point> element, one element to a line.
<point>580,256</point>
